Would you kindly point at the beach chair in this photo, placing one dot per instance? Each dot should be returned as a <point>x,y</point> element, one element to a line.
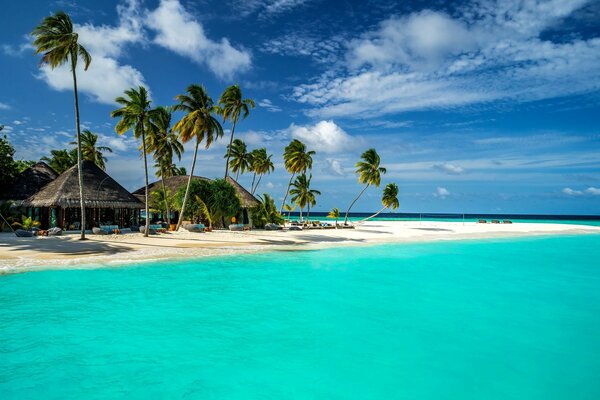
<point>482,221</point>
<point>495,221</point>
<point>506,221</point>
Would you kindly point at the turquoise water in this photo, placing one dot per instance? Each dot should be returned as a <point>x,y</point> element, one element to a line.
<point>501,319</point>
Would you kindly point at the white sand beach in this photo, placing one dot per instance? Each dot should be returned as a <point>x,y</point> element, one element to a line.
<point>19,254</point>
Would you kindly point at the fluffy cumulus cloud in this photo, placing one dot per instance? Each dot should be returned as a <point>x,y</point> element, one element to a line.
<point>486,51</point>
<point>448,168</point>
<point>177,30</point>
<point>571,192</point>
<point>324,136</point>
<point>106,77</point>
<point>441,192</point>
<point>593,191</point>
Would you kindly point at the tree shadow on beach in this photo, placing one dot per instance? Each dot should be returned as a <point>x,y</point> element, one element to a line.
<point>64,246</point>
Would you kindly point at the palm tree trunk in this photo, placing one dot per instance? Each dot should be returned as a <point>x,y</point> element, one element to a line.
<point>229,150</point>
<point>252,186</point>
<point>146,179</point>
<point>374,215</point>
<point>257,183</point>
<point>237,175</point>
<point>351,204</point>
<point>300,215</point>
<point>79,156</point>
<point>187,189</point>
<point>308,213</point>
<point>286,193</point>
<point>162,178</point>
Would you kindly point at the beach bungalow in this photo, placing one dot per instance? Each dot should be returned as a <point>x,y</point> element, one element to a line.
<point>106,202</point>
<point>174,183</point>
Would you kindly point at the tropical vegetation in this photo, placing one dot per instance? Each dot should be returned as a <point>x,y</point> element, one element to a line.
<point>302,194</point>
<point>334,214</point>
<point>296,160</point>
<point>369,173</point>
<point>260,164</point>
<point>389,199</point>
<point>9,167</point>
<point>90,149</point>
<point>265,212</point>
<point>239,157</point>
<point>219,197</point>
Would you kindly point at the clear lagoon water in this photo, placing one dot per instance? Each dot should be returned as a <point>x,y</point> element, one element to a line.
<point>494,319</point>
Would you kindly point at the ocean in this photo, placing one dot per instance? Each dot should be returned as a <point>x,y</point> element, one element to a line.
<point>475,319</point>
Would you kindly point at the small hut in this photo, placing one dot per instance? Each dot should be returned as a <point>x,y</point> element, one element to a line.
<point>247,199</point>
<point>28,182</point>
<point>106,202</point>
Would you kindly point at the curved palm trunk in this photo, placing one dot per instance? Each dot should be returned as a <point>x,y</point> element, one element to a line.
<point>351,204</point>
<point>146,179</point>
<point>162,178</point>
<point>229,150</point>
<point>187,189</point>
<point>237,175</point>
<point>257,183</point>
<point>252,186</point>
<point>79,156</point>
<point>287,192</point>
<point>374,215</point>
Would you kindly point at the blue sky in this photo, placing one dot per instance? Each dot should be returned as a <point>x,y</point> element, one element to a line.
<point>487,106</point>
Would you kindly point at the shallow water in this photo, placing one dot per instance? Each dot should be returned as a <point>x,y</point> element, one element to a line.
<point>494,319</point>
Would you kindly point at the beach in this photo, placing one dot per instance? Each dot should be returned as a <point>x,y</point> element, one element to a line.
<point>22,254</point>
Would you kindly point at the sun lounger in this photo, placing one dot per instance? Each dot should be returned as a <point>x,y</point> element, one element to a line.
<point>236,227</point>
<point>23,233</point>
<point>482,221</point>
<point>272,227</point>
<point>506,221</point>
<point>54,231</point>
<point>99,231</point>
<point>196,228</point>
<point>495,221</point>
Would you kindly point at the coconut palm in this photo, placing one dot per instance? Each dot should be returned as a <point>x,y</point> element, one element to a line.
<point>134,115</point>
<point>334,213</point>
<point>240,158</point>
<point>91,151</point>
<point>302,194</point>
<point>369,173</point>
<point>389,199</point>
<point>232,107</point>
<point>260,164</point>
<point>289,208</point>
<point>198,123</point>
<point>296,160</point>
<point>61,160</point>
<point>55,38</point>
<point>164,144</point>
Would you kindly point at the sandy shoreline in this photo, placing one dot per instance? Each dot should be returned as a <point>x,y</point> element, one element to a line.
<point>19,254</point>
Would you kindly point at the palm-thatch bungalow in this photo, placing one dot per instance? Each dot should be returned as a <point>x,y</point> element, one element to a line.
<point>105,200</point>
<point>174,183</point>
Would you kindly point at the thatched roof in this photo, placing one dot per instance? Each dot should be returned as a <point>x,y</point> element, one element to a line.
<point>28,182</point>
<point>173,183</point>
<point>101,191</point>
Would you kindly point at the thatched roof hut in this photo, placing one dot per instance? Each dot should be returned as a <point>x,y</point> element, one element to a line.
<point>174,183</point>
<point>101,191</point>
<point>28,182</point>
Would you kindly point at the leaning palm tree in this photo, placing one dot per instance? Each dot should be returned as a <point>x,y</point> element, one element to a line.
<point>134,116</point>
<point>232,107</point>
<point>389,199</point>
<point>260,164</point>
<point>334,213</point>
<point>240,158</point>
<point>91,151</point>
<point>164,144</point>
<point>302,194</point>
<point>369,172</point>
<point>55,38</point>
<point>198,123</point>
<point>296,160</point>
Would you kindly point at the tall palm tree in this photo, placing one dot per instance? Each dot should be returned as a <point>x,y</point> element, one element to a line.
<point>369,172</point>
<point>164,144</point>
<point>389,199</point>
<point>261,164</point>
<point>302,194</point>
<point>240,158</point>
<point>61,160</point>
<point>296,160</point>
<point>334,213</point>
<point>232,107</point>
<point>198,123</point>
<point>55,38</point>
<point>134,115</point>
<point>91,151</point>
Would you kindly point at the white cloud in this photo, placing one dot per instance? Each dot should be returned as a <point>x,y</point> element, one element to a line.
<point>4,106</point>
<point>324,136</point>
<point>17,122</point>
<point>319,49</point>
<point>178,30</point>
<point>268,105</point>
<point>448,168</point>
<point>7,129</point>
<point>593,191</point>
<point>335,166</point>
<point>571,192</point>
<point>488,51</point>
<point>106,78</point>
<point>266,8</point>
<point>270,185</point>
<point>441,192</point>
<point>17,50</point>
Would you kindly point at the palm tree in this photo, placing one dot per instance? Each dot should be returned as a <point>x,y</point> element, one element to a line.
<point>232,106</point>
<point>296,160</point>
<point>134,116</point>
<point>334,213</point>
<point>302,194</point>
<point>240,158</point>
<point>164,144</point>
<point>369,172</point>
<point>61,160</point>
<point>289,208</point>
<point>389,199</point>
<point>90,151</point>
<point>198,123</point>
<point>55,38</point>
<point>261,164</point>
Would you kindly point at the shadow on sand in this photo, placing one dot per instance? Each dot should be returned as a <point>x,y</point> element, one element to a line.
<point>65,247</point>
